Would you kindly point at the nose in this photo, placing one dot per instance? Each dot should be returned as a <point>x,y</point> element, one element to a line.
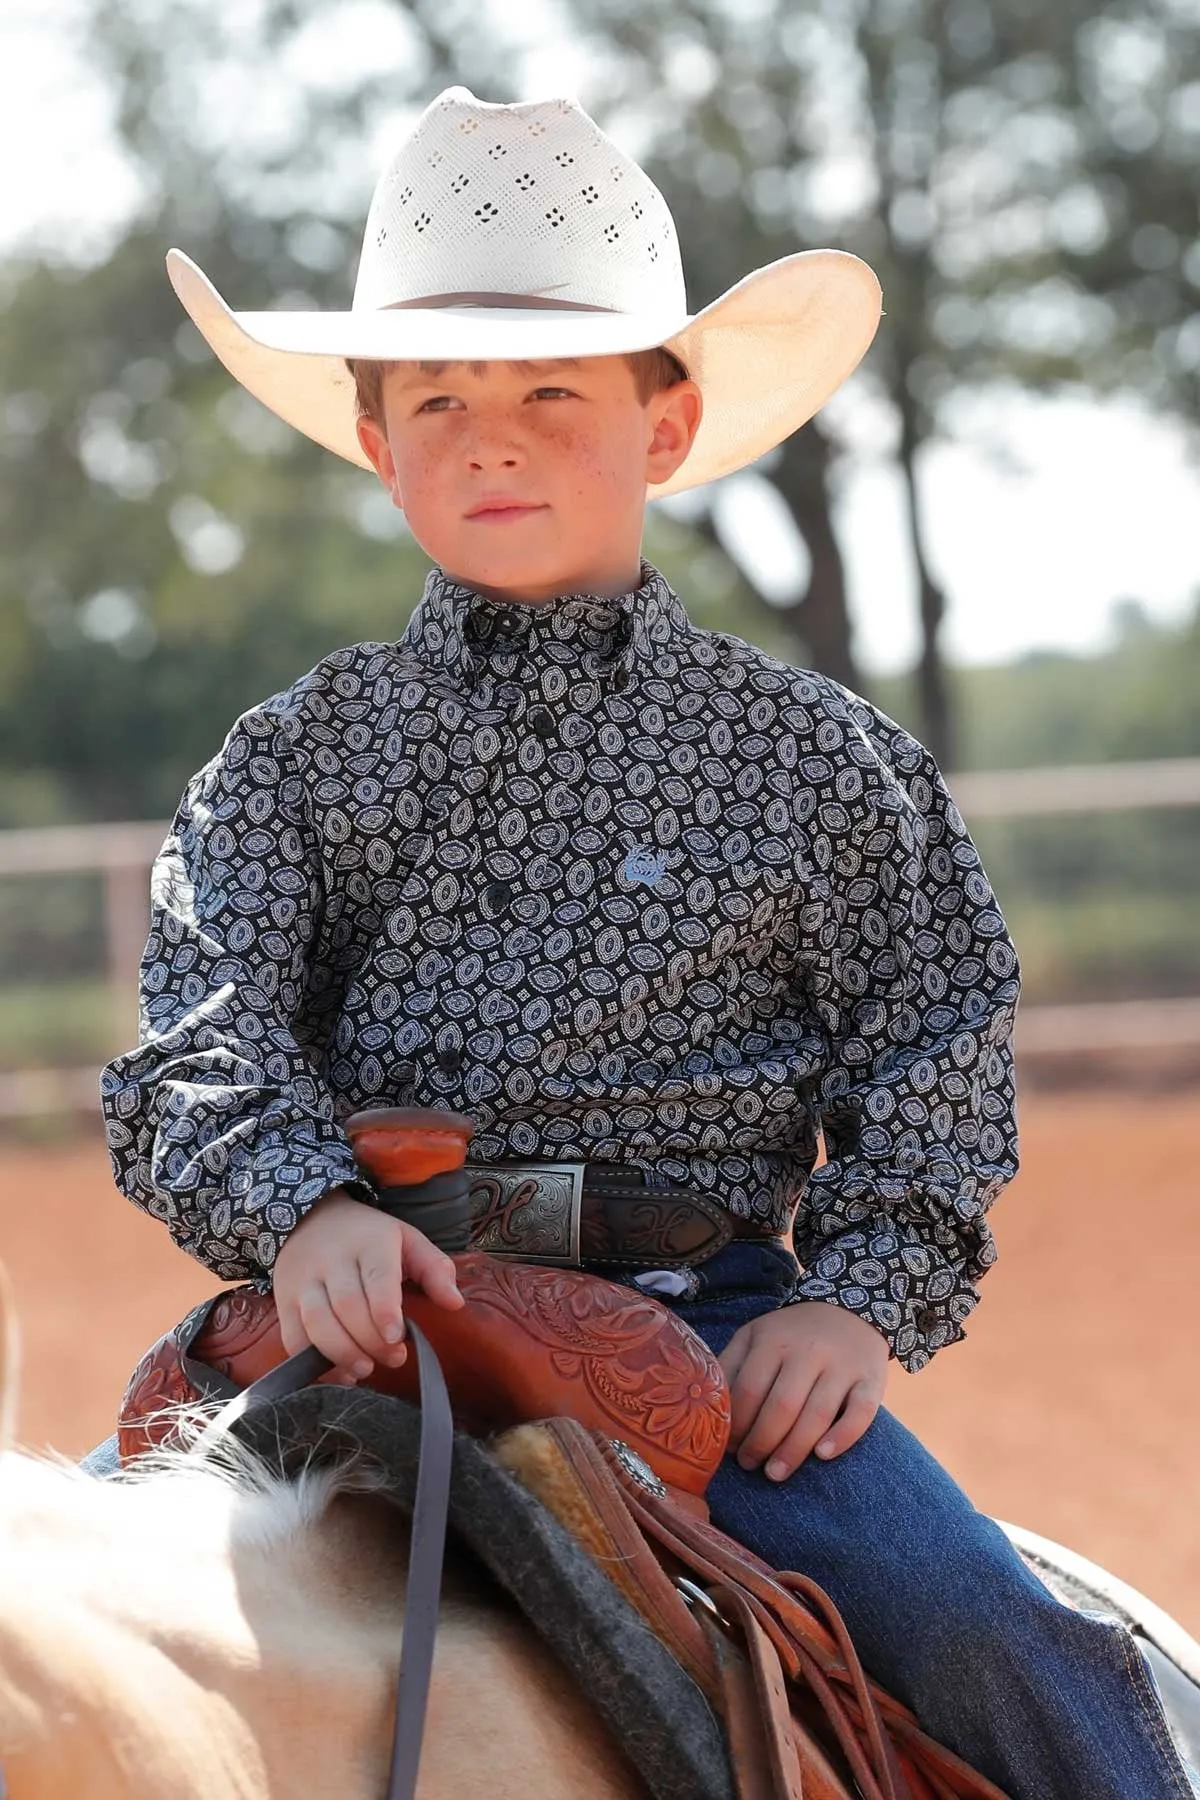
<point>494,444</point>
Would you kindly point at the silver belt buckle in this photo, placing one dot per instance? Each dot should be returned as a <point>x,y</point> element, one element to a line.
<point>527,1211</point>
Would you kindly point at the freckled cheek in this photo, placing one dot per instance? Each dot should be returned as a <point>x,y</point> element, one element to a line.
<point>422,478</point>
<point>594,466</point>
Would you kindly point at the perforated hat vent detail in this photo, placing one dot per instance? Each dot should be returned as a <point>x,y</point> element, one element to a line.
<point>500,212</point>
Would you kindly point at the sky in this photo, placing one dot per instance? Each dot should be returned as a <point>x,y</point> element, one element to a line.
<point>1048,515</point>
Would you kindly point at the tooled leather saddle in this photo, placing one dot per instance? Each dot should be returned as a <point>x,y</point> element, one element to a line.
<point>615,1414</point>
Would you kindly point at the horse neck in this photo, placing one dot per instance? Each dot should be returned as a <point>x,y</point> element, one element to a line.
<point>155,1646</point>
<point>174,1638</point>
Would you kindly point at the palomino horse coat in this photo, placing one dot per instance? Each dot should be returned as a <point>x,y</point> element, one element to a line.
<point>182,1637</point>
<point>209,1634</point>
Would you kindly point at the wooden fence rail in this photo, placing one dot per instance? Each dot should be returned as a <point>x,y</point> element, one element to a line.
<point>122,853</point>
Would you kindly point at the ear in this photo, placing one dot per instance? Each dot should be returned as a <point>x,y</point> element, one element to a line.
<point>378,452</point>
<point>674,418</point>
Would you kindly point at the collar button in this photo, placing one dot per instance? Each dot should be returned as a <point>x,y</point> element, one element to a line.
<point>541,720</point>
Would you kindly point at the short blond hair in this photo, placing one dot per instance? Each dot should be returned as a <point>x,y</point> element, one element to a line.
<point>653,371</point>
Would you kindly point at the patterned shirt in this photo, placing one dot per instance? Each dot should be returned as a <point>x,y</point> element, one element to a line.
<point>620,889</point>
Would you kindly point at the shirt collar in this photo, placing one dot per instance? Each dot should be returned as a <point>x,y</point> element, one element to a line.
<point>601,637</point>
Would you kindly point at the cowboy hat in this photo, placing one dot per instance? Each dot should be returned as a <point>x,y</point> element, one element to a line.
<point>510,233</point>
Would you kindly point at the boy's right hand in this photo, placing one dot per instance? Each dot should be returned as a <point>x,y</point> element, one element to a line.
<point>338,1283</point>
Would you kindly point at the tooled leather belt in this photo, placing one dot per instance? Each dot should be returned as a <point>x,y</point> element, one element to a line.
<point>580,1215</point>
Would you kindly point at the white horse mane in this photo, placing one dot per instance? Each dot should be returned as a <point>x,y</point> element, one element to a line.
<point>202,1480</point>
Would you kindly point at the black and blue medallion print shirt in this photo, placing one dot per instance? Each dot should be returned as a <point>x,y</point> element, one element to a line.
<point>617,887</point>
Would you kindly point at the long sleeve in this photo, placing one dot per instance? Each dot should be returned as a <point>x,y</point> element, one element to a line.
<point>217,1123</point>
<point>916,988</point>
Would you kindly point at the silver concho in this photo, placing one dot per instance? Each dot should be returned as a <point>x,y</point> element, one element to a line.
<point>637,1469</point>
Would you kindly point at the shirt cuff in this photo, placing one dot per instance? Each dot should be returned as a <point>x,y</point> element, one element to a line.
<point>277,1187</point>
<point>912,1295</point>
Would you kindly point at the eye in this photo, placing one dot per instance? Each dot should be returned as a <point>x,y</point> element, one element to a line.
<point>439,403</point>
<point>554,393</point>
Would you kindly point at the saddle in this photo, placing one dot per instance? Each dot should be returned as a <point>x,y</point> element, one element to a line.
<point>615,1415</point>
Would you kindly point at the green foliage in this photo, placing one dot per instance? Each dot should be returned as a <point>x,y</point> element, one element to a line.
<point>169,553</point>
<point>58,1025</point>
<point>1024,177</point>
<point>1135,702</point>
<point>1101,906</point>
<point>50,926</point>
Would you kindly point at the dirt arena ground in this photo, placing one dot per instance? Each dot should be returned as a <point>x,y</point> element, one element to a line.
<point>1072,1408</point>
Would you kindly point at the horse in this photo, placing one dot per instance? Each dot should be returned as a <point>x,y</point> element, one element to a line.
<point>207,1631</point>
<point>204,1627</point>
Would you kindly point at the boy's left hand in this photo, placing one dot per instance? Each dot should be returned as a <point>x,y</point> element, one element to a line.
<point>795,1371</point>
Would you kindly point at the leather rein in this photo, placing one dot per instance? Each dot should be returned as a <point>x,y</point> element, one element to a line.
<point>428,1540</point>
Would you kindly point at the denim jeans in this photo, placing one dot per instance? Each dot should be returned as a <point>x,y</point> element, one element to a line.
<point>1050,1703</point>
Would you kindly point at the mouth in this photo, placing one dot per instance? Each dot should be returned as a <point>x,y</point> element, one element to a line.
<point>500,512</point>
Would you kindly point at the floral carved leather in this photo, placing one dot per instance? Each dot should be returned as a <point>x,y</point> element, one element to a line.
<point>530,1343</point>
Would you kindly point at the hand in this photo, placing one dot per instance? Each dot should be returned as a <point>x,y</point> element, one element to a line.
<point>338,1283</point>
<point>795,1371</point>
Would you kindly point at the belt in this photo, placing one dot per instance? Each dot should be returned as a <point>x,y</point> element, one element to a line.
<point>577,1215</point>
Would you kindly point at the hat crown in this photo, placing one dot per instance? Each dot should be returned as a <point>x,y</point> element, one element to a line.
<point>529,199</point>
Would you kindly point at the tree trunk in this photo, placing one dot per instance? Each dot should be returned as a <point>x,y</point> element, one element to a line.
<point>820,620</point>
<point>823,616</point>
<point>933,694</point>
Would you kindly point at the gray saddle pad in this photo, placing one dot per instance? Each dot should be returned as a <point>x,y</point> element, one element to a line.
<point>653,1710</point>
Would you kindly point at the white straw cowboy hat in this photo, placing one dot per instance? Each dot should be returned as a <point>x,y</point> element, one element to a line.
<point>513,233</point>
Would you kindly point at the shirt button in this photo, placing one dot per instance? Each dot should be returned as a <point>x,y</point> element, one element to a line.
<point>541,720</point>
<point>620,681</point>
<point>496,896</point>
<point>449,1061</point>
<point>926,1318</point>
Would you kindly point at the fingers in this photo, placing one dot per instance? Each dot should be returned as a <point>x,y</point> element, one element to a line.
<point>382,1279</point>
<point>290,1328</point>
<point>733,1356</point>
<point>811,1431</point>
<point>751,1364</point>
<point>796,1411</point>
<point>430,1268</point>
<point>862,1403</point>
<point>339,1284</point>
<point>323,1318</point>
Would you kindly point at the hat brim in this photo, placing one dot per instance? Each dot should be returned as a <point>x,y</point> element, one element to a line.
<point>766,355</point>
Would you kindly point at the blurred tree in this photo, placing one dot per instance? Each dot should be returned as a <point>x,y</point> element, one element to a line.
<point>1024,181</point>
<point>169,552</point>
<point>1132,702</point>
<point>1070,217</point>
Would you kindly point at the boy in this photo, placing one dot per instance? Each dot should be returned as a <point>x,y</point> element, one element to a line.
<point>627,892</point>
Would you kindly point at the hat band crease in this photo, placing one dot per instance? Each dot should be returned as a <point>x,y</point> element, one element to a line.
<point>519,302</point>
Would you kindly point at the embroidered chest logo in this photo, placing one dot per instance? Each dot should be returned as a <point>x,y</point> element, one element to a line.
<point>643,864</point>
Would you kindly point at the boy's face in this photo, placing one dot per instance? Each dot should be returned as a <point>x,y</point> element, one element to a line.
<point>528,480</point>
